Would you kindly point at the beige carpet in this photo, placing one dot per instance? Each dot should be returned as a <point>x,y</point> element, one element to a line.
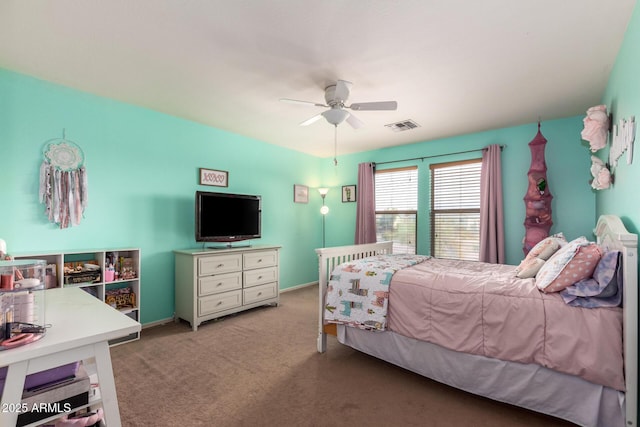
<point>261,368</point>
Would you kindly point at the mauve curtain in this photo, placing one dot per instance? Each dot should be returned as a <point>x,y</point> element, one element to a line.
<point>366,204</point>
<point>491,211</point>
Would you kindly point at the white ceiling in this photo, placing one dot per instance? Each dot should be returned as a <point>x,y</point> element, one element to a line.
<point>453,66</point>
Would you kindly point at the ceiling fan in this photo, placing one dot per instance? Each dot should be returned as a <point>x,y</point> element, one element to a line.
<point>336,95</point>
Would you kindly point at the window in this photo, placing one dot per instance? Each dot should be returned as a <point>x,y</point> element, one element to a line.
<point>397,208</point>
<point>455,210</point>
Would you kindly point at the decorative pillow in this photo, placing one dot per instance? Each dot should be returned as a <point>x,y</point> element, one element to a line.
<point>548,246</point>
<point>543,250</point>
<point>604,282</point>
<point>529,267</point>
<point>558,261</point>
<point>607,273</point>
<point>604,289</point>
<point>579,267</point>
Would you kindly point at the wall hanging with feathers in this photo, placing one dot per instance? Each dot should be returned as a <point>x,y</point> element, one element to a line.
<point>63,182</point>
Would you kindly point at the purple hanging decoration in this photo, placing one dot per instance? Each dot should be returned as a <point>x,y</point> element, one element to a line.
<point>538,221</point>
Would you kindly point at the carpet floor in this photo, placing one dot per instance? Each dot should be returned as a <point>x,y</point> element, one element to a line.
<point>261,368</point>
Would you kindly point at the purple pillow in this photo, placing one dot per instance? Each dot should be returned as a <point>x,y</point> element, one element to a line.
<point>603,289</point>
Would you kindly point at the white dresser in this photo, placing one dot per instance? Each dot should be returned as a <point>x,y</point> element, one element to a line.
<point>211,283</point>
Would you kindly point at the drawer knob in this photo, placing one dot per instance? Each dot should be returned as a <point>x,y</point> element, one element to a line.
<point>259,277</point>
<point>259,293</point>
<point>219,284</point>
<point>220,265</point>
<point>260,260</point>
<point>219,303</point>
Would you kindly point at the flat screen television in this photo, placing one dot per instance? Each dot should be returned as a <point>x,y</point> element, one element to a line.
<point>224,217</point>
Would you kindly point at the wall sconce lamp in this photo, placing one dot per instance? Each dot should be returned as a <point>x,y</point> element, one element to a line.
<point>324,210</point>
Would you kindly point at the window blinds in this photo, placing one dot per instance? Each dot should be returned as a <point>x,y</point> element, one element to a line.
<point>397,190</point>
<point>455,210</point>
<point>396,208</point>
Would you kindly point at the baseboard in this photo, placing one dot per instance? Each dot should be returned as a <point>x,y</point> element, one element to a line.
<point>157,323</point>
<point>293,288</point>
<point>170,319</point>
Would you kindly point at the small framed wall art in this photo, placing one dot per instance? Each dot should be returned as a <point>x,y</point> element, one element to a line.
<point>300,193</point>
<point>214,177</point>
<point>348,193</point>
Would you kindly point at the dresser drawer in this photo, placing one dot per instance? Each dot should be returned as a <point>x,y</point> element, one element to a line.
<point>219,264</point>
<point>260,259</point>
<point>219,283</point>
<point>219,302</point>
<point>260,276</point>
<point>259,293</point>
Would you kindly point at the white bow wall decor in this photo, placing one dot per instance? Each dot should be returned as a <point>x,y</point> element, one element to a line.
<point>602,178</point>
<point>596,127</point>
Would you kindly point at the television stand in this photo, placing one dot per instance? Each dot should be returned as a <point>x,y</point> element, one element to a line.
<point>215,283</point>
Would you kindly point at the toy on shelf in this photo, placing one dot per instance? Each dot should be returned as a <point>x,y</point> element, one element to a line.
<point>121,298</point>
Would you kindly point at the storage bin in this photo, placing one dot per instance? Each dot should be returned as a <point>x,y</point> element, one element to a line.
<point>45,377</point>
<point>22,302</point>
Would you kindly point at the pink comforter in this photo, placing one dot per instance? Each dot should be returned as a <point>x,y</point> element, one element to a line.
<point>484,309</point>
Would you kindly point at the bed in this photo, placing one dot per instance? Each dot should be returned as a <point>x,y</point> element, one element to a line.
<point>606,401</point>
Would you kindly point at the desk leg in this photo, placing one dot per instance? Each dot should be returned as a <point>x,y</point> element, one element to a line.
<point>12,394</point>
<point>107,385</point>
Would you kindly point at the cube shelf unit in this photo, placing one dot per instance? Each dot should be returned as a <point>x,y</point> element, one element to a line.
<point>57,278</point>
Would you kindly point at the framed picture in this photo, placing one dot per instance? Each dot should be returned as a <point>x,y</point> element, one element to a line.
<point>348,193</point>
<point>300,193</point>
<point>214,177</point>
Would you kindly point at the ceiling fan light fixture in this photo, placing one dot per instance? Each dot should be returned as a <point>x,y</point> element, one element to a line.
<point>336,96</point>
<point>335,116</point>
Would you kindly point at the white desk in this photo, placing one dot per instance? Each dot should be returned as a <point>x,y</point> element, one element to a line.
<point>81,327</point>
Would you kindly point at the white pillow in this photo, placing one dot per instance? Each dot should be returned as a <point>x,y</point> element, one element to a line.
<point>547,246</point>
<point>542,250</point>
<point>529,268</point>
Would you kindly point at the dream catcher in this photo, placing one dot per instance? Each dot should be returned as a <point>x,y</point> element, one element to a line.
<point>63,182</point>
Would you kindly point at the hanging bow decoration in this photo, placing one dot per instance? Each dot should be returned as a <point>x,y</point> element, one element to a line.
<point>63,182</point>
<point>596,127</point>
<point>602,178</point>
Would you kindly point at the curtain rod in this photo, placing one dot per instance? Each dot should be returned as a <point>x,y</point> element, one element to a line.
<point>502,147</point>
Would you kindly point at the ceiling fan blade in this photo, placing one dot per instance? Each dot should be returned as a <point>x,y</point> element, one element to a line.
<point>343,88</point>
<point>309,103</point>
<point>370,106</point>
<point>355,122</point>
<point>311,120</point>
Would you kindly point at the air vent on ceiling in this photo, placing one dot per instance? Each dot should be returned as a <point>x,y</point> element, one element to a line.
<point>403,125</point>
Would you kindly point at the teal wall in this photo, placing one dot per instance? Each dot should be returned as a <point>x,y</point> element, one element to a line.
<point>567,159</point>
<point>622,98</point>
<point>143,174</point>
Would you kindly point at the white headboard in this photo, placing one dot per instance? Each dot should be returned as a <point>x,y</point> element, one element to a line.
<point>612,234</point>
